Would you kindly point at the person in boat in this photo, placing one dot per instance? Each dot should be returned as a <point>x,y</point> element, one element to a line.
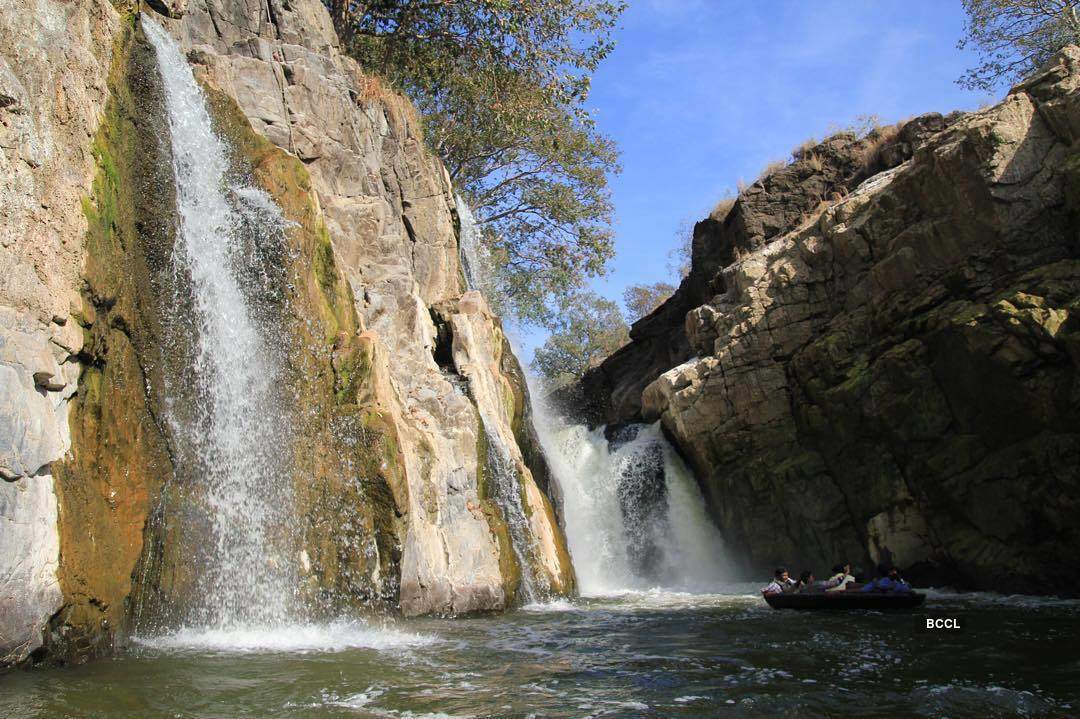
<point>840,578</point>
<point>806,582</point>
<point>781,583</point>
<point>891,582</point>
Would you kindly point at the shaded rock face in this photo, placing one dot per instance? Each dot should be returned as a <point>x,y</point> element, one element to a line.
<point>888,373</point>
<point>388,467</point>
<point>681,327</point>
<point>120,458</point>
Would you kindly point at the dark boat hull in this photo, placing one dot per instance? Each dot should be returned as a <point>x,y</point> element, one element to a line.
<point>846,600</point>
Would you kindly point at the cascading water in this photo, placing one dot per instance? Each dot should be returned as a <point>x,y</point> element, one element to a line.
<point>501,475</point>
<point>635,517</point>
<point>470,249</point>
<point>229,417</point>
<point>506,491</point>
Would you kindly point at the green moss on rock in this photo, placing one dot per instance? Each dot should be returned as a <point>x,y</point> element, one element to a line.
<point>349,481</point>
<point>119,460</point>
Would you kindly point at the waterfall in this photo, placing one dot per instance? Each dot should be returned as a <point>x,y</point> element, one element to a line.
<point>634,516</point>
<point>504,485</point>
<point>227,414</point>
<point>505,489</point>
<point>469,248</point>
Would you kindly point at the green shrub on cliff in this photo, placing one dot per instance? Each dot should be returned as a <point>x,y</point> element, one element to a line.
<point>502,86</point>
<point>642,299</point>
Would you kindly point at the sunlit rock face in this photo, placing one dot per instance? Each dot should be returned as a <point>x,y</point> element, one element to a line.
<point>397,384</point>
<point>875,354</point>
<point>389,210</point>
<point>54,59</point>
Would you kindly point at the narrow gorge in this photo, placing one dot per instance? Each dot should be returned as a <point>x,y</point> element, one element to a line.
<point>875,353</point>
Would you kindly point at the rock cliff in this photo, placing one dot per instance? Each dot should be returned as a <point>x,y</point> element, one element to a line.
<point>411,412</point>
<point>875,355</point>
<point>54,59</point>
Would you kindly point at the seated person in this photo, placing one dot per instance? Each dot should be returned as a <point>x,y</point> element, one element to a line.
<point>808,584</point>
<point>891,582</point>
<point>782,582</point>
<point>840,578</point>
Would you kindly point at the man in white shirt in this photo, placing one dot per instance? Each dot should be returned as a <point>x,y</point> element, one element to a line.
<point>782,582</point>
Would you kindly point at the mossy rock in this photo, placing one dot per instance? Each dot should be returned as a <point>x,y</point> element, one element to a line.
<point>350,476</point>
<point>109,484</point>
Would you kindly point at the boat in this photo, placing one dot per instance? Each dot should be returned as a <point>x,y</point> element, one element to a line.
<point>846,600</point>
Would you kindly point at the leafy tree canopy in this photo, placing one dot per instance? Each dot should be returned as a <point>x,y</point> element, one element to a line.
<point>641,300</point>
<point>1014,37</point>
<point>588,329</point>
<point>502,86</point>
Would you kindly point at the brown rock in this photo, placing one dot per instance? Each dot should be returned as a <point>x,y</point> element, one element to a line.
<point>893,375</point>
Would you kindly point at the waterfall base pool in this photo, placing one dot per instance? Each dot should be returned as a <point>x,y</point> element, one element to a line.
<point>646,654</point>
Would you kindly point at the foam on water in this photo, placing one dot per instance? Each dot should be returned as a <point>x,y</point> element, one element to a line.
<point>555,605</point>
<point>352,701</point>
<point>690,698</point>
<point>1029,601</point>
<point>299,638</point>
<point>365,702</point>
<point>662,597</point>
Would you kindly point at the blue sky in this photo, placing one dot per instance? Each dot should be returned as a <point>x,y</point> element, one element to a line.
<point>699,94</point>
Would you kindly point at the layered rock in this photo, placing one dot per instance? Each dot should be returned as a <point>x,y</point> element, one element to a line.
<point>399,379</point>
<point>875,356</point>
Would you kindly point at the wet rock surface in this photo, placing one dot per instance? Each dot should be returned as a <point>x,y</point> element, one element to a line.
<point>54,59</point>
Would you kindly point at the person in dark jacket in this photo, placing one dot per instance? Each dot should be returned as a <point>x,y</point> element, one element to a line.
<point>806,581</point>
<point>891,582</point>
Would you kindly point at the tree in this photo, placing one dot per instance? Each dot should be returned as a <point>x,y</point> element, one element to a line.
<point>588,329</point>
<point>503,86</point>
<point>680,255</point>
<point>1014,37</point>
<point>641,300</point>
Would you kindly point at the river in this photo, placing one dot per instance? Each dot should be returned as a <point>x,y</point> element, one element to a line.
<point>659,632</point>
<point>638,654</point>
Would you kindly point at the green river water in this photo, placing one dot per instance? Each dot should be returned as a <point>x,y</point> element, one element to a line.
<point>645,654</point>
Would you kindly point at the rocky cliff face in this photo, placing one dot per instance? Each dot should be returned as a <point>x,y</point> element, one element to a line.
<point>407,398</point>
<point>875,356</point>
<point>388,209</point>
<point>54,59</point>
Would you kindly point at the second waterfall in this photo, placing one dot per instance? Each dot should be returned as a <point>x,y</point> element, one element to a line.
<point>633,514</point>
